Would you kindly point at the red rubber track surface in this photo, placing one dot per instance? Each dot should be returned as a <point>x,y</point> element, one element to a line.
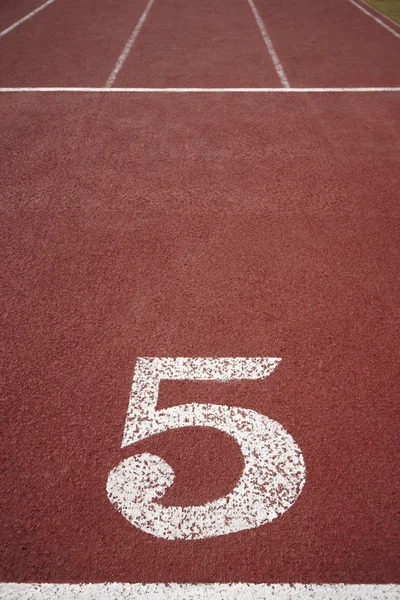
<point>201,44</point>
<point>210,233</point>
<point>197,225</point>
<point>11,12</point>
<point>215,43</point>
<point>69,43</point>
<point>326,44</point>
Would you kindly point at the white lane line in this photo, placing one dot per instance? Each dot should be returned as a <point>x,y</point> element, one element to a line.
<point>29,16</point>
<point>94,90</point>
<point>128,46</point>
<point>377,19</point>
<point>199,591</point>
<point>277,63</point>
<point>377,13</point>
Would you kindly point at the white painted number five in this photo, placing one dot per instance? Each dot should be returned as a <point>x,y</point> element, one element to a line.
<point>274,471</point>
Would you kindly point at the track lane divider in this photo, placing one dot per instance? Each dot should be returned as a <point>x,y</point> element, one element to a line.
<point>240,90</point>
<point>199,591</point>
<point>28,16</point>
<point>270,47</point>
<point>125,52</point>
<point>375,18</point>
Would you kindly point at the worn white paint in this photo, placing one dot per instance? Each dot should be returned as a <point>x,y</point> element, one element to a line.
<point>28,16</point>
<point>125,52</point>
<point>240,90</point>
<point>270,47</point>
<point>368,12</point>
<point>274,471</point>
<point>200,591</point>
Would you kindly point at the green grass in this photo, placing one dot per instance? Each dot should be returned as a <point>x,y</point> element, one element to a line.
<point>390,8</point>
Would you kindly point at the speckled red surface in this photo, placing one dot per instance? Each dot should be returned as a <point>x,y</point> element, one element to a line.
<point>199,225</point>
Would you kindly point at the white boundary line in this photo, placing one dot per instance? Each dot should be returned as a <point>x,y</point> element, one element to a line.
<point>377,19</point>
<point>29,16</point>
<point>380,15</point>
<point>240,90</point>
<point>200,591</point>
<point>128,46</point>
<point>274,57</point>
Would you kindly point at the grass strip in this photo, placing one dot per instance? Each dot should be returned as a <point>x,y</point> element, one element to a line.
<point>390,8</point>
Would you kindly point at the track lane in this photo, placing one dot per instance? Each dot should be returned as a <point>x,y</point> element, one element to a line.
<point>79,43</point>
<point>197,226</point>
<point>207,43</point>
<point>70,43</point>
<point>326,44</point>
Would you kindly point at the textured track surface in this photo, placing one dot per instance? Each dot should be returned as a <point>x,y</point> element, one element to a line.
<point>199,225</point>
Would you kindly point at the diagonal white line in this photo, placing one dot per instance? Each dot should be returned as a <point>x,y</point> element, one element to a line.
<point>128,45</point>
<point>370,14</point>
<point>277,63</point>
<point>138,90</point>
<point>29,16</point>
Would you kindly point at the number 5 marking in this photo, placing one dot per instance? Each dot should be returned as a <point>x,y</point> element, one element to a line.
<point>274,471</point>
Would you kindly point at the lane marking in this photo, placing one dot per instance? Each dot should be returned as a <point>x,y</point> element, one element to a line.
<point>29,16</point>
<point>199,591</point>
<point>380,15</point>
<point>277,63</point>
<point>375,18</point>
<point>273,475</point>
<point>241,90</point>
<point>128,46</point>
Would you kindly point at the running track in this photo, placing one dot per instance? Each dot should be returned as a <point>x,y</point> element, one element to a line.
<point>261,222</point>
